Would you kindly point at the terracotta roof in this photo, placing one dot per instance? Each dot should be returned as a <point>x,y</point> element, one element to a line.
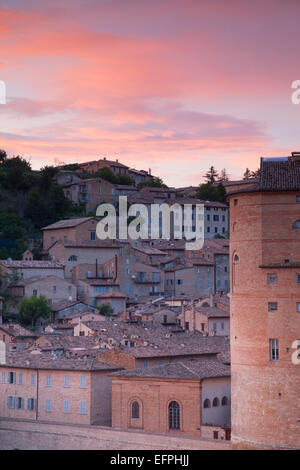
<point>55,361</point>
<point>107,295</point>
<point>192,369</point>
<point>67,223</point>
<point>276,174</point>
<point>31,264</point>
<point>16,330</point>
<point>213,312</point>
<point>57,306</point>
<point>88,244</point>
<point>157,340</point>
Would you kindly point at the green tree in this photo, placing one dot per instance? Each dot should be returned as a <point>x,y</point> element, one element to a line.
<point>247,174</point>
<point>126,180</point>
<point>3,156</point>
<point>32,308</point>
<point>154,182</point>
<point>223,176</point>
<point>210,192</point>
<point>211,175</point>
<point>106,174</point>
<point>105,309</point>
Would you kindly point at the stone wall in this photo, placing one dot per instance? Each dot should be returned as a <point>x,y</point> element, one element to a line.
<point>25,435</point>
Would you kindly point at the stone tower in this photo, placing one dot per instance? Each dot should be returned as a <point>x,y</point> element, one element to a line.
<point>265,306</point>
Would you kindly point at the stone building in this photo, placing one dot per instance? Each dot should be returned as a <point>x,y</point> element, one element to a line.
<point>265,306</point>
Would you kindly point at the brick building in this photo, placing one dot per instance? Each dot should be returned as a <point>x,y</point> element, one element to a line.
<point>265,306</point>
<point>56,388</point>
<point>181,397</point>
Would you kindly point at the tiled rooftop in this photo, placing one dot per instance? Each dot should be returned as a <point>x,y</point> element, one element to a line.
<point>30,264</point>
<point>16,330</point>
<point>55,361</point>
<point>67,223</point>
<point>192,369</point>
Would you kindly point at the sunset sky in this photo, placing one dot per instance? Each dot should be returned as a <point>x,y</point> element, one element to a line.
<point>171,85</point>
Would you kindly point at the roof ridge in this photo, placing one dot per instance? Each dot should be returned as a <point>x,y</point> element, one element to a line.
<point>190,370</point>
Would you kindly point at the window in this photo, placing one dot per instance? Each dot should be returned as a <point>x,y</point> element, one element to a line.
<point>82,381</point>
<point>32,379</point>
<point>272,306</point>
<point>208,229</point>
<point>48,405</point>
<point>135,410</point>
<point>235,202</point>
<point>206,403</point>
<point>298,307</point>
<point>272,278</point>
<point>34,292</point>
<point>146,365</point>
<point>93,236</point>
<point>20,378</point>
<point>10,402</point>
<point>224,401</point>
<point>297,278</point>
<point>169,282</point>
<point>216,218</point>
<point>66,406</point>
<point>214,326</point>
<point>274,351</point>
<point>48,380</point>
<point>3,378</point>
<point>296,224</point>
<point>31,404</point>
<point>222,326</point>
<point>67,381</point>
<point>20,403</point>
<point>179,281</point>
<point>216,229</point>
<point>72,258</point>
<point>11,377</point>
<point>174,415</point>
<point>54,289</point>
<point>208,217</point>
<point>216,402</point>
<point>216,434</point>
<point>83,408</point>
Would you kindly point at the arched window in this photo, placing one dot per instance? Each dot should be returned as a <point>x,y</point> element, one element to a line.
<point>236,258</point>
<point>135,410</point>
<point>174,415</point>
<point>206,403</point>
<point>224,401</point>
<point>216,401</point>
<point>296,224</point>
<point>72,258</point>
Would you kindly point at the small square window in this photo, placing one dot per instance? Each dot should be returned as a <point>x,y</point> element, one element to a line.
<point>272,278</point>
<point>272,306</point>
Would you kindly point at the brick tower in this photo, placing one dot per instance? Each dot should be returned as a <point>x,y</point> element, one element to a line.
<point>265,306</point>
